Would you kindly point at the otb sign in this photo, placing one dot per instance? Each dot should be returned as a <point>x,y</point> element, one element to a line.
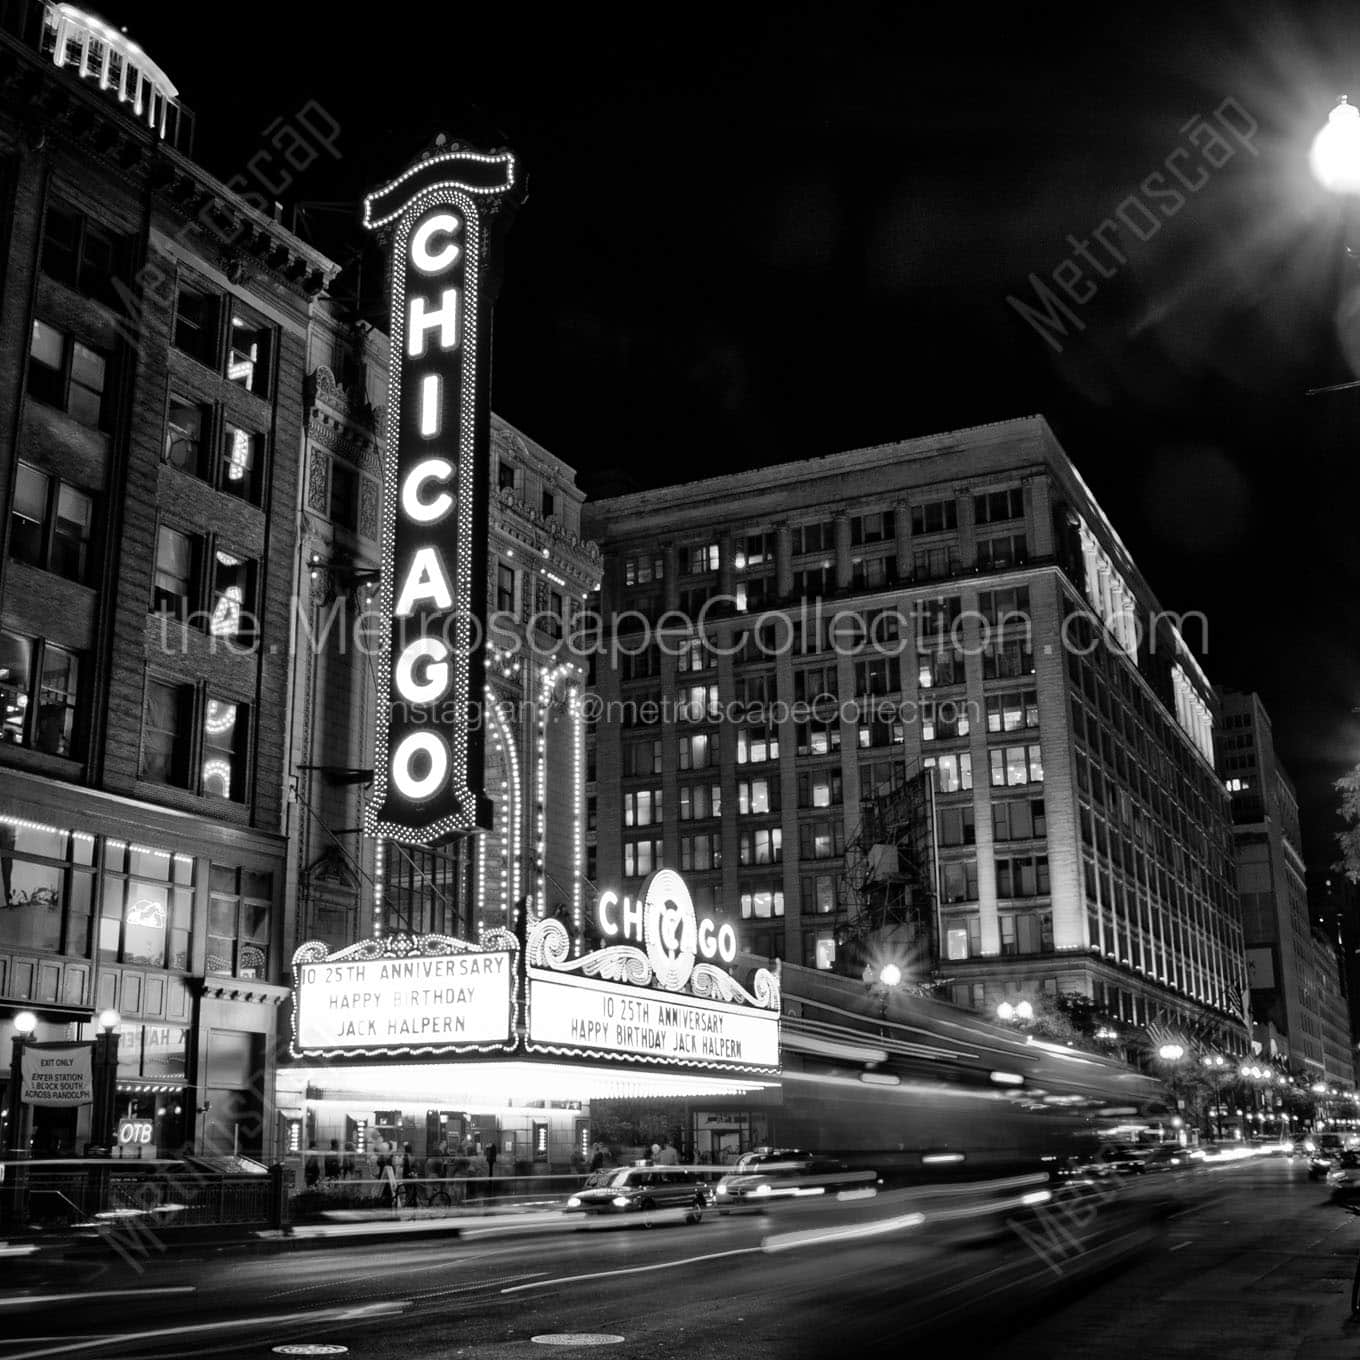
<point>428,773</point>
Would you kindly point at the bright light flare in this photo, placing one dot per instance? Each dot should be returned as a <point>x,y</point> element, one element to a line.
<point>1335,154</point>
<point>890,975</point>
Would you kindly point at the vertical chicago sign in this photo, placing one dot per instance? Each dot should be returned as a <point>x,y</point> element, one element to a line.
<point>437,216</point>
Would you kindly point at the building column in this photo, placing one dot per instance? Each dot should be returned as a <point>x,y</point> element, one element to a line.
<point>783,586</point>
<point>902,537</point>
<point>843,568</point>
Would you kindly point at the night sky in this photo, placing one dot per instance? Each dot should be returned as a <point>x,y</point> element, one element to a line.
<point>752,237</point>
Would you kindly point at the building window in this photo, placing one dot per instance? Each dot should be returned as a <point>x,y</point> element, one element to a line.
<point>763,846</point>
<point>640,858</point>
<point>47,880</point>
<point>997,506</point>
<point>701,852</point>
<point>344,504</point>
<point>697,702</point>
<point>146,906</point>
<point>505,476</point>
<point>642,757</point>
<point>821,839</point>
<point>196,324</point>
<point>186,425</point>
<point>80,254</point>
<point>959,881</point>
<point>1007,660</point>
<point>505,588</point>
<point>755,550</point>
<point>814,538</point>
<point>944,720</point>
<point>240,918</point>
<point>1012,765</point>
<point>171,743</point>
<point>934,517</point>
<point>66,374</point>
<point>819,788</point>
<point>874,528</point>
<point>642,571</point>
<point>224,750</point>
<point>753,797</point>
<point>963,936</point>
<point>642,808</point>
<point>956,826</point>
<point>934,564</point>
<point>1011,711</point>
<point>175,591</point>
<point>1029,932</point>
<point>549,505</point>
<point>700,801</point>
<point>39,691</point>
<point>199,583</point>
<point>698,752</point>
<point>1009,550</point>
<point>953,771</point>
<point>50,524</point>
<point>239,470</point>
<point>761,901</point>
<point>819,894</point>
<point>1026,877</point>
<point>819,738</point>
<point>248,355</point>
<point>819,949</point>
<point>756,745</point>
<point>1019,820</point>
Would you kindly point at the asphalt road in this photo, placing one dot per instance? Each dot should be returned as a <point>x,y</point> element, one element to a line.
<point>1247,1258</point>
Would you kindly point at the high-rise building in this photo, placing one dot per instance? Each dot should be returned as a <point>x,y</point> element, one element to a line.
<point>153,336</point>
<point>1292,964</point>
<point>791,647</point>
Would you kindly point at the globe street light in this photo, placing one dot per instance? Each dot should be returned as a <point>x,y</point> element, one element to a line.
<point>1171,1053</point>
<point>1335,154</point>
<point>1214,1064</point>
<point>25,1023</point>
<point>890,975</point>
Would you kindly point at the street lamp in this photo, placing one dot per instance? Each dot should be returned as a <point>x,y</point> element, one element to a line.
<point>1214,1064</point>
<point>1019,1012</point>
<point>1335,154</point>
<point>882,985</point>
<point>105,1080</point>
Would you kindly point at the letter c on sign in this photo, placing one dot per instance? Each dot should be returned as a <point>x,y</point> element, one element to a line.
<point>607,924</point>
<point>436,261</point>
<point>408,785</point>
<point>421,511</point>
<point>436,682</point>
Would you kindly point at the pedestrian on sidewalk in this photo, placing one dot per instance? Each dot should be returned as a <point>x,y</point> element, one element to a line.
<point>666,1155</point>
<point>333,1161</point>
<point>408,1176</point>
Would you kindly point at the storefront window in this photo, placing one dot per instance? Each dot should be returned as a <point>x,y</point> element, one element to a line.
<point>240,912</point>
<point>45,888</point>
<point>147,906</point>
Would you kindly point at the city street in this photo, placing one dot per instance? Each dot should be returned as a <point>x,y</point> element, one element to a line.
<point>1252,1254</point>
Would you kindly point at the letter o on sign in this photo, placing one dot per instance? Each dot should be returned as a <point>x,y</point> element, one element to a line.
<point>413,786</point>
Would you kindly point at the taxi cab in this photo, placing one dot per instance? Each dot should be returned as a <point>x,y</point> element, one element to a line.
<point>644,1190</point>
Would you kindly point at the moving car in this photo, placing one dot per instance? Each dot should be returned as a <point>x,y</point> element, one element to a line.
<point>786,1173</point>
<point>644,1190</point>
<point>1166,1157</point>
<point>1112,1159</point>
<point>1330,1146</point>
<point>1344,1176</point>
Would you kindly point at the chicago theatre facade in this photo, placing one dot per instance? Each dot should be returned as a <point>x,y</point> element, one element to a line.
<point>442,990</point>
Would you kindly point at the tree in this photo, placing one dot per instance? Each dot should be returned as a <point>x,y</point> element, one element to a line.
<point>1348,786</point>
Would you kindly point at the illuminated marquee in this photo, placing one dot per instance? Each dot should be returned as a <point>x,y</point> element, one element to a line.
<point>674,1007</point>
<point>429,760</point>
<point>403,994</point>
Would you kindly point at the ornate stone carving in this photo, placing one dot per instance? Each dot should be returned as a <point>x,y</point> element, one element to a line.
<point>319,482</point>
<point>368,508</point>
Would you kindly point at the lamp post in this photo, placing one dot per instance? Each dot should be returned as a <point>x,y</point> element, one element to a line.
<point>25,1023</point>
<point>1214,1065</point>
<point>882,984</point>
<point>1017,1013</point>
<point>1171,1055</point>
<point>105,1078</point>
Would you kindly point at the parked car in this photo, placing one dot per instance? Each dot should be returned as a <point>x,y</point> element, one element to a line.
<point>644,1190</point>
<point>1112,1159</point>
<point>788,1173</point>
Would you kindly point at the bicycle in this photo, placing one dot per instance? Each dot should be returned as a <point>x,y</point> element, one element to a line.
<point>1355,1283</point>
<point>432,1194</point>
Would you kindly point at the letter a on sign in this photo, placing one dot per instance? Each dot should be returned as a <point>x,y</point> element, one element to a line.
<point>440,215</point>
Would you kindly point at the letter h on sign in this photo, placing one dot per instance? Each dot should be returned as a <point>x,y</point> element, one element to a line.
<point>428,776</point>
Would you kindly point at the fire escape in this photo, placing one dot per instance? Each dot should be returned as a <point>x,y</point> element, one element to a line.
<point>888,893</point>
